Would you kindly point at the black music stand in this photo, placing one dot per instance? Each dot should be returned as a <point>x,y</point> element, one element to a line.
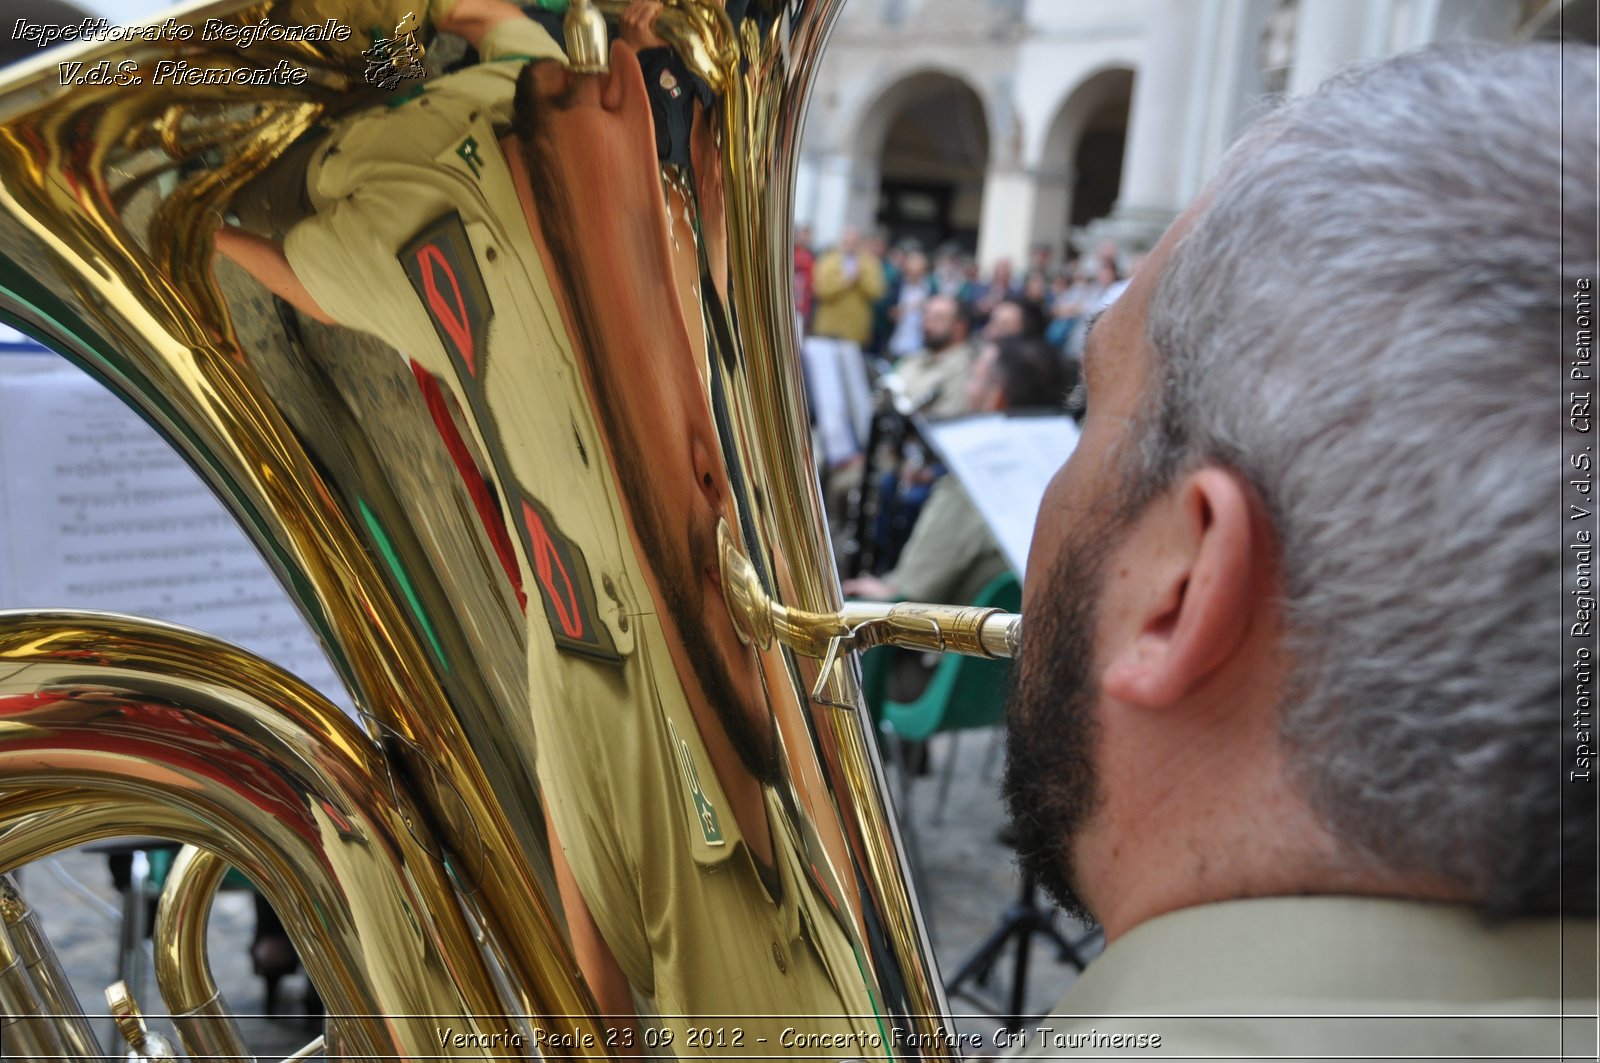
<point>1021,921</point>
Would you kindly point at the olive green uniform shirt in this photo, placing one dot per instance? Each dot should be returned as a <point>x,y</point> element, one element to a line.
<point>695,926</point>
<point>951,555</point>
<point>649,836</point>
<point>942,373</point>
<point>1331,978</point>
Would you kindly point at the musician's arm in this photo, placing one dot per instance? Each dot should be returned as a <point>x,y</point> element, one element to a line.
<point>473,19</point>
<point>263,258</point>
<point>600,967</point>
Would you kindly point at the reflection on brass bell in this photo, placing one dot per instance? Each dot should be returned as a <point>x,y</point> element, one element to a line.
<point>145,1045</point>
<point>585,30</point>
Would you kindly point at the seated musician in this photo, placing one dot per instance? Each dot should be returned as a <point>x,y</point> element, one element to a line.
<point>951,554</point>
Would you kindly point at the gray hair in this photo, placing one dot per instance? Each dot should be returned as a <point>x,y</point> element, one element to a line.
<point>1364,322</point>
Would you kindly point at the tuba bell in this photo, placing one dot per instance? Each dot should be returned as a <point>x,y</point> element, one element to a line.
<point>502,380</point>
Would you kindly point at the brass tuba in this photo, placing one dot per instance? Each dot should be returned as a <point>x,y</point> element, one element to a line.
<point>504,385</point>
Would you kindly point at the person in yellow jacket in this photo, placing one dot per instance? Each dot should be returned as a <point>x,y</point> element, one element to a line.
<point>847,281</point>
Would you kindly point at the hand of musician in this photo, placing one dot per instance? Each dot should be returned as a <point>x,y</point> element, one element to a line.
<point>869,587</point>
<point>638,25</point>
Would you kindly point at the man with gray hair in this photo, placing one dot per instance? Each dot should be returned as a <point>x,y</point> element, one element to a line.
<point>1288,719</point>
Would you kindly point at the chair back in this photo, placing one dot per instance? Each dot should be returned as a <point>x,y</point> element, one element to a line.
<point>964,692</point>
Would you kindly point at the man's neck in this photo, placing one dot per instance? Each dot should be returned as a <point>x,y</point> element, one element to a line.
<point>1229,842</point>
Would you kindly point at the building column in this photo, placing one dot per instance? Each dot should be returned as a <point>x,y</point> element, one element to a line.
<point>1190,95</point>
<point>829,195</point>
<point>1007,227</point>
<point>1331,33</point>
<point>1052,203</point>
<point>1158,119</point>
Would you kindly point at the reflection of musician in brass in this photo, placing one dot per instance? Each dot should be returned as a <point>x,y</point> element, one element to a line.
<point>745,864</point>
<point>687,875</point>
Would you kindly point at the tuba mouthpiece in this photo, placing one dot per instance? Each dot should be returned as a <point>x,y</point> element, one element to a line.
<point>585,30</point>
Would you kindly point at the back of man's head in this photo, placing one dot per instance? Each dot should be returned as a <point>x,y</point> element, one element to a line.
<point>1029,373</point>
<point>1364,322</point>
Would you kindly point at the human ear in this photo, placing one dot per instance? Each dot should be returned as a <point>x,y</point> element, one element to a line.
<point>1195,596</point>
<point>623,83</point>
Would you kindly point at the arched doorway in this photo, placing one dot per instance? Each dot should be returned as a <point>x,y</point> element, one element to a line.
<point>1080,168</point>
<point>1573,20</point>
<point>930,140</point>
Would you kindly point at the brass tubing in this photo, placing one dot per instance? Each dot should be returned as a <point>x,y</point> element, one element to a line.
<point>700,32</point>
<point>269,776</point>
<point>30,1033</point>
<point>50,985</point>
<point>183,970</point>
<point>37,823</point>
<point>760,619</point>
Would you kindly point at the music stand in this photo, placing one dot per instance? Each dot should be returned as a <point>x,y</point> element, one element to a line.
<point>1021,921</point>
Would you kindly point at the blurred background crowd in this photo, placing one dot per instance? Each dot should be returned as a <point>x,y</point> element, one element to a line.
<point>972,174</point>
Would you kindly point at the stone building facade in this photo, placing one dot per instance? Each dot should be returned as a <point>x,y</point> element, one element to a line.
<point>1007,125</point>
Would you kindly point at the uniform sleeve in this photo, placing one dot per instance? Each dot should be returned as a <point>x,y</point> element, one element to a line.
<point>492,82</point>
<point>325,252</point>
<point>519,38</point>
<point>947,538</point>
<point>587,823</point>
<point>586,773</point>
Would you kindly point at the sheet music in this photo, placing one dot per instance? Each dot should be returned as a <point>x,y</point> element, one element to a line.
<point>98,512</point>
<point>1005,463</point>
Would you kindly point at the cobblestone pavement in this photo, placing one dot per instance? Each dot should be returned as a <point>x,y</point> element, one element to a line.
<point>967,880</point>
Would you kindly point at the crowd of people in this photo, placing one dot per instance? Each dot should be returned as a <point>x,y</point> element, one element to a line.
<point>888,338</point>
<point>889,293</point>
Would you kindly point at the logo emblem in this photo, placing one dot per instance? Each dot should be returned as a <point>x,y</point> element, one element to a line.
<point>705,813</point>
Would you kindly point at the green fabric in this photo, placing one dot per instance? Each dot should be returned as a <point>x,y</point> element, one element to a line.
<point>965,692</point>
<point>951,555</point>
<point>161,861</point>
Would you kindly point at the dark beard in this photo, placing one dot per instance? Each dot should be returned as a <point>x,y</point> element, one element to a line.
<point>671,556</point>
<point>1050,787</point>
<point>685,596</point>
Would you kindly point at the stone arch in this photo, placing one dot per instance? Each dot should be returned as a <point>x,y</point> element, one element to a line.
<point>1080,163</point>
<point>921,147</point>
<point>1569,19</point>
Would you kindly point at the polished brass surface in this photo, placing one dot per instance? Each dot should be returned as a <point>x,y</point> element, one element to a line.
<point>500,395</point>
<point>155,728</point>
<point>50,986</point>
<point>204,1024</point>
<point>24,1022</point>
<point>144,1044</point>
<point>587,38</point>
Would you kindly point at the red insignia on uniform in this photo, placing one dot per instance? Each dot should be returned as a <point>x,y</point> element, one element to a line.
<point>443,271</point>
<point>565,586</point>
